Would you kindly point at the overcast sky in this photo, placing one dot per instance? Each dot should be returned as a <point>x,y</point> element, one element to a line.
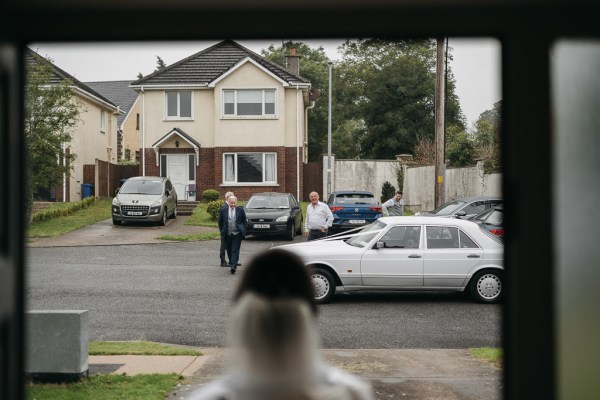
<point>476,63</point>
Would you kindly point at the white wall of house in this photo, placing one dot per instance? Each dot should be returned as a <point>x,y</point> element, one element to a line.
<point>418,181</point>
<point>90,142</point>
<point>131,133</point>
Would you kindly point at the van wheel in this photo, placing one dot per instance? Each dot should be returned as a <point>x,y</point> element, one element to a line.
<point>163,220</point>
<point>486,286</point>
<point>323,284</point>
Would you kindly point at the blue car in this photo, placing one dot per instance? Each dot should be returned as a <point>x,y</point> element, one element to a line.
<point>352,209</point>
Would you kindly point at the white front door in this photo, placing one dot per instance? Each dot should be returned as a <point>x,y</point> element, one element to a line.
<point>177,168</point>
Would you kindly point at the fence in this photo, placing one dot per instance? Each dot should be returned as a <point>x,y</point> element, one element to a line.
<point>106,176</point>
<point>418,182</point>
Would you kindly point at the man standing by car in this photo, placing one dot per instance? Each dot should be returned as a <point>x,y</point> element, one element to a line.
<point>394,206</point>
<point>222,249</point>
<point>232,225</point>
<point>318,218</point>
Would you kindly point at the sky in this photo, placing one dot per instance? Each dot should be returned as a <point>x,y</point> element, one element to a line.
<point>475,64</point>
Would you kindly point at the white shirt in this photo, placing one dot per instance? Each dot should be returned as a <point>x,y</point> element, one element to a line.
<point>318,216</point>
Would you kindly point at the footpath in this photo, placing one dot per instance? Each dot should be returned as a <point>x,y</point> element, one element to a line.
<point>419,374</point>
<point>409,374</point>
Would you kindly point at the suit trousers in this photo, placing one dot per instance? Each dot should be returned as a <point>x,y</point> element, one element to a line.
<point>222,250</point>
<point>233,244</point>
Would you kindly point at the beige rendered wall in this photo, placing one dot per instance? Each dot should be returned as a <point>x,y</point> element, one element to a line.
<point>131,135</point>
<point>89,143</point>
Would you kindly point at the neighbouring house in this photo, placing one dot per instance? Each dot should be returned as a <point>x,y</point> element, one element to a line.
<point>128,123</point>
<point>225,118</point>
<point>93,138</point>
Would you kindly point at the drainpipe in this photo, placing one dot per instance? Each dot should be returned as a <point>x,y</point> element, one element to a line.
<point>64,147</point>
<point>297,146</point>
<point>305,142</point>
<point>143,132</point>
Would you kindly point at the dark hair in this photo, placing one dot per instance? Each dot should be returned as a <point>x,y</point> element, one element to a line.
<point>399,192</point>
<point>278,274</point>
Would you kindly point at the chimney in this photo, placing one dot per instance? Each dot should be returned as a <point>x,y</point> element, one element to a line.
<point>292,62</point>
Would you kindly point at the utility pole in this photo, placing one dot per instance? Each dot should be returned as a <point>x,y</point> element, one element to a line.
<point>440,153</point>
<point>329,139</point>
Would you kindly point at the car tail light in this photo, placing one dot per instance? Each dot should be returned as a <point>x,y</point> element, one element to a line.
<point>376,209</point>
<point>497,232</point>
<point>335,208</point>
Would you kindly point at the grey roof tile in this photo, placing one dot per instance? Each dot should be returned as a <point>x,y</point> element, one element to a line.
<point>119,92</point>
<point>207,65</point>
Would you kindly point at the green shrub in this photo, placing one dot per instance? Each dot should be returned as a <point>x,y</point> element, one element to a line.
<point>210,195</point>
<point>212,209</point>
<point>55,213</point>
<point>387,191</point>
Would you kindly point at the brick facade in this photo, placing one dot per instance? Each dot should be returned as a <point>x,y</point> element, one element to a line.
<point>209,172</point>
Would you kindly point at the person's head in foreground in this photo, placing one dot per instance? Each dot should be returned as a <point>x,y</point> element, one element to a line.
<point>274,340</point>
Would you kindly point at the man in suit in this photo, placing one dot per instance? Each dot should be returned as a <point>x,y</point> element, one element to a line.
<point>225,205</point>
<point>232,225</point>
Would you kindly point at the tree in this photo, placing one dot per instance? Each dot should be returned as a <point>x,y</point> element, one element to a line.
<point>487,138</point>
<point>160,65</point>
<point>390,87</point>
<point>314,67</point>
<point>51,112</point>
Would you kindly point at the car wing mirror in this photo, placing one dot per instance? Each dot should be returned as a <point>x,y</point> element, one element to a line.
<point>379,245</point>
<point>460,214</point>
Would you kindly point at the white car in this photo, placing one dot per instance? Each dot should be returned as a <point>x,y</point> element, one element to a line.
<point>408,253</point>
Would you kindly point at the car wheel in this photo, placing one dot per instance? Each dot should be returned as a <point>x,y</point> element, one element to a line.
<point>486,286</point>
<point>292,232</point>
<point>174,214</point>
<point>163,220</point>
<point>324,285</point>
<point>116,222</point>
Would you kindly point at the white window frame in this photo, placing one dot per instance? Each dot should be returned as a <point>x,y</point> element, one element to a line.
<point>102,121</point>
<point>235,172</point>
<point>235,104</point>
<point>178,116</point>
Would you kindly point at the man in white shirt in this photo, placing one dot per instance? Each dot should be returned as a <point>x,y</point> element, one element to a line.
<point>394,206</point>
<point>318,218</point>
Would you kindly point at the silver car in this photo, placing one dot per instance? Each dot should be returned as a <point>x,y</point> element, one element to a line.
<point>145,198</point>
<point>408,253</point>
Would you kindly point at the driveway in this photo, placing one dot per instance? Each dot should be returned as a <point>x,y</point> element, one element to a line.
<point>104,233</point>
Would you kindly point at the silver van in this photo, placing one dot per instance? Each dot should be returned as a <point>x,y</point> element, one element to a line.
<point>145,198</point>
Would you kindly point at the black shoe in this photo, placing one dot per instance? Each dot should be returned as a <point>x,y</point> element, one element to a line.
<point>238,265</point>
<point>224,264</point>
<point>232,271</point>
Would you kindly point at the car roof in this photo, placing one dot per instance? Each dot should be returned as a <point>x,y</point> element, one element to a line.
<point>476,198</point>
<point>147,178</point>
<point>426,220</point>
<point>271,194</point>
<point>352,192</point>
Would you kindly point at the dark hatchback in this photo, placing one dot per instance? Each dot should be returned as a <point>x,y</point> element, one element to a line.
<point>464,208</point>
<point>273,213</point>
<point>491,220</point>
<point>352,209</point>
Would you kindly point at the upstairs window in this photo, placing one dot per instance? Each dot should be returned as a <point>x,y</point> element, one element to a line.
<point>179,104</point>
<point>243,103</point>
<point>102,121</point>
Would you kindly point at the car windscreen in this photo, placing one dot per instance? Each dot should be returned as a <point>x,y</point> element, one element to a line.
<point>141,187</point>
<point>448,208</point>
<point>482,216</point>
<point>354,198</point>
<point>263,202</point>
<point>365,235</point>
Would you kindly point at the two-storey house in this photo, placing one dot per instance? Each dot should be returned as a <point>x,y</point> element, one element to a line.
<point>226,119</point>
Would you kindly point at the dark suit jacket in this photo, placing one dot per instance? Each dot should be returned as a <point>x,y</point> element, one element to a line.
<point>240,220</point>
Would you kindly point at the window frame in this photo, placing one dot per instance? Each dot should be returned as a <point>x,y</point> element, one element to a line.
<point>178,117</point>
<point>103,121</point>
<point>263,115</point>
<point>235,167</point>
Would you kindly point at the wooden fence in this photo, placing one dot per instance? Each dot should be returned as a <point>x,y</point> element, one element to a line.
<point>106,177</point>
<point>313,179</point>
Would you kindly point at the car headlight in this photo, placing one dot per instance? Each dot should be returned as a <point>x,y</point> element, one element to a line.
<point>282,219</point>
<point>155,207</point>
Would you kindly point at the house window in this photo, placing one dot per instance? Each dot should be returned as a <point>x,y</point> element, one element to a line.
<point>256,102</point>
<point>163,165</point>
<point>250,168</point>
<point>179,104</point>
<point>137,121</point>
<point>191,167</point>
<point>102,121</point>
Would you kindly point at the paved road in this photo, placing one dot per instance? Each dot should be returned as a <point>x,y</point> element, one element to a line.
<point>177,293</point>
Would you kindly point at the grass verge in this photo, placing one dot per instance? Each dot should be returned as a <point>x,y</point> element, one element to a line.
<point>189,238</point>
<point>491,354</point>
<point>96,211</point>
<point>107,387</point>
<point>98,348</point>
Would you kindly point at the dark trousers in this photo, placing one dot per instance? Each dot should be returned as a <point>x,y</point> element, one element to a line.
<point>233,243</point>
<point>315,234</point>
<point>222,250</point>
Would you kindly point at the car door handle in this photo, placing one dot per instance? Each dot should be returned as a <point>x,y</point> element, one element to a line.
<point>473,256</point>
<point>414,256</point>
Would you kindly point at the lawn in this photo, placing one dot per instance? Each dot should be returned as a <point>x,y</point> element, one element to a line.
<point>57,221</point>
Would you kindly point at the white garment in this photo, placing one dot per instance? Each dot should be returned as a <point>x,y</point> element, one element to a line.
<point>318,217</point>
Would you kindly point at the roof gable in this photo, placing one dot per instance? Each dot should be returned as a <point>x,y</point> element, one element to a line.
<point>119,92</point>
<point>59,75</point>
<point>208,65</point>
